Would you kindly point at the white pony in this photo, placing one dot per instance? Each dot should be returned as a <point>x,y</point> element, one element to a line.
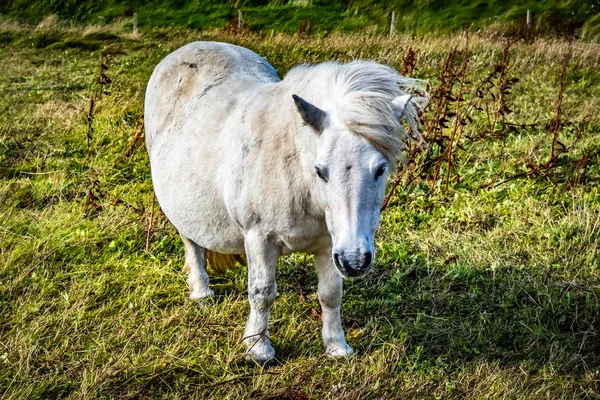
<point>244,163</point>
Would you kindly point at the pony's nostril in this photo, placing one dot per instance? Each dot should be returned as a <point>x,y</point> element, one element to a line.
<point>338,261</point>
<point>368,259</point>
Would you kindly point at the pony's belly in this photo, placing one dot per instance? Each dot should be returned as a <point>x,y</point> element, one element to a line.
<point>213,231</point>
<point>194,208</point>
<point>226,240</point>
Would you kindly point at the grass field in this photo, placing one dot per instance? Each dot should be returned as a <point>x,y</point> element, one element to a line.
<point>549,17</point>
<point>487,282</point>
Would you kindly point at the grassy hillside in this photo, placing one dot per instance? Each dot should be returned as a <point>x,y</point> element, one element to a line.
<point>286,15</point>
<point>487,281</point>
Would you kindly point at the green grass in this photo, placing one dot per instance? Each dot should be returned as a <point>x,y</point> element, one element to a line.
<point>491,293</point>
<point>325,16</point>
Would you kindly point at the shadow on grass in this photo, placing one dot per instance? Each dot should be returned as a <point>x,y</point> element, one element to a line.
<point>453,315</point>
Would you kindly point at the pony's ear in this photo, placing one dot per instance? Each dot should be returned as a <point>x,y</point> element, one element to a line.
<point>400,104</point>
<point>311,115</point>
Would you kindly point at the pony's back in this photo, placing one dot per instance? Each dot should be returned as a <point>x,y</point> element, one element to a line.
<point>186,79</point>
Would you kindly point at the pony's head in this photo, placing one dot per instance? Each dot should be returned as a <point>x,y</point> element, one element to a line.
<point>357,140</point>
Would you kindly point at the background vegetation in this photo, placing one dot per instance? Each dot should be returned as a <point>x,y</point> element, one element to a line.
<point>487,282</point>
<point>550,17</point>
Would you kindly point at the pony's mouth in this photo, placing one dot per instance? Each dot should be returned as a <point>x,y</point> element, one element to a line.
<point>353,269</point>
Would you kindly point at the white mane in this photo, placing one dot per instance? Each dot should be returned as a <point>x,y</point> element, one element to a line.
<point>360,94</point>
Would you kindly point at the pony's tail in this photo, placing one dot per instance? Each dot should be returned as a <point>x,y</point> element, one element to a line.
<point>220,263</point>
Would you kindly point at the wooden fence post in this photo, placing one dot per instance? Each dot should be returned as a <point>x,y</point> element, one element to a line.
<point>135,23</point>
<point>393,24</point>
<point>239,20</point>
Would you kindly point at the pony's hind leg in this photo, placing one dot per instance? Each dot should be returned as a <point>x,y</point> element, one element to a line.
<point>195,266</point>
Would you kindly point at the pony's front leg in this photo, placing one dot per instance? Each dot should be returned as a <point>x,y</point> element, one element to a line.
<point>330,297</point>
<point>262,262</point>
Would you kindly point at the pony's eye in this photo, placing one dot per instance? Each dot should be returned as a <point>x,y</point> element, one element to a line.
<point>379,172</point>
<point>320,174</point>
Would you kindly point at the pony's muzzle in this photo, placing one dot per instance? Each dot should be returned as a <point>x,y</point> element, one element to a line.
<point>352,266</point>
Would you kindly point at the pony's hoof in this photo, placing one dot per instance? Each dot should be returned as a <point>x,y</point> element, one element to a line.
<point>260,353</point>
<point>199,295</point>
<point>339,350</point>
